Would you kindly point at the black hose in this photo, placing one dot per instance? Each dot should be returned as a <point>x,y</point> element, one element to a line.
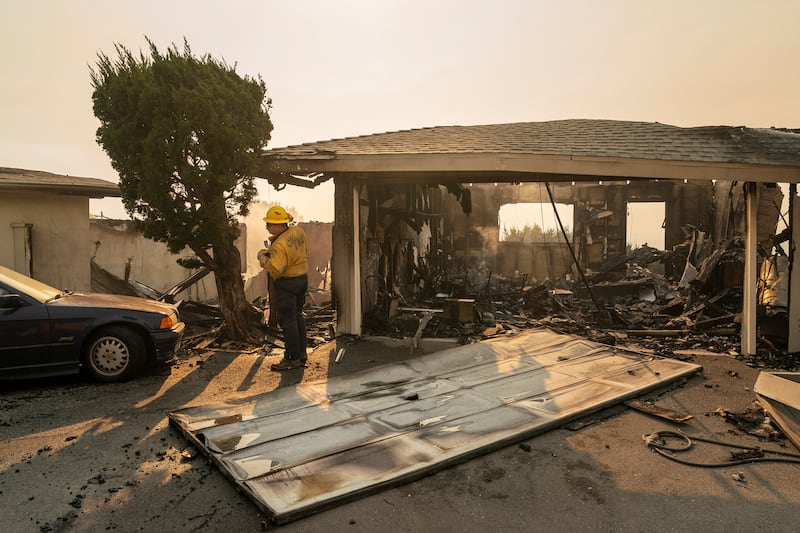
<point>656,441</point>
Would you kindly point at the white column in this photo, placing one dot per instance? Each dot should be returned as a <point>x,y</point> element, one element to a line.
<point>750,270</point>
<point>345,262</point>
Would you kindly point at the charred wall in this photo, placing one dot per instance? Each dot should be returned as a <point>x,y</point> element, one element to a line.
<point>401,232</point>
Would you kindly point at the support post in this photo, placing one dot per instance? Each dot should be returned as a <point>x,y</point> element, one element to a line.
<point>793,345</point>
<point>355,315</point>
<point>346,263</point>
<point>750,286</point>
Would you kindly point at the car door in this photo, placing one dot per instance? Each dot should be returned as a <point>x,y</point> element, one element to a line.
<point>25,337</point>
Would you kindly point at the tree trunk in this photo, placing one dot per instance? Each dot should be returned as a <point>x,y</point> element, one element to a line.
<point>235,309</point>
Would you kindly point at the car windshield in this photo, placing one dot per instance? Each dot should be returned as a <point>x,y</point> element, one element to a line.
<point>33,288</point>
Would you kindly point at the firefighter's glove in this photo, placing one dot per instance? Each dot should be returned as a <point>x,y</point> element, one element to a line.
<point>263,256</point>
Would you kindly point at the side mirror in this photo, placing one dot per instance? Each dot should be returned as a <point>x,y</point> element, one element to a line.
<point>11,301</point>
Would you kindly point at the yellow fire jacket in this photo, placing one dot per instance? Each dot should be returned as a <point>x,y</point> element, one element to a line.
<point>287,254</point>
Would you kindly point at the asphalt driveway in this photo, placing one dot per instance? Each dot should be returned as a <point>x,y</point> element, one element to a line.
<point>82,456</point>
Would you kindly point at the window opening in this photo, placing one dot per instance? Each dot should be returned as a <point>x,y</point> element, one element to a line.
<point>534,222</point>
<point>645,225</point>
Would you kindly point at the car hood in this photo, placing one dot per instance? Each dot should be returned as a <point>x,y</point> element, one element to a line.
<point>115,301</point>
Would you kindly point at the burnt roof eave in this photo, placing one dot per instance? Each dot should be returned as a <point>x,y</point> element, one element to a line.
<point>521,167</point>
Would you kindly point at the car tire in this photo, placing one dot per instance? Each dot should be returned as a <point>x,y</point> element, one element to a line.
<point>114,354</point>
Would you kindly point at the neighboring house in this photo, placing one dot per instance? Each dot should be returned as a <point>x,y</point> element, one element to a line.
<point>44,225</point>
<point>405,208</point>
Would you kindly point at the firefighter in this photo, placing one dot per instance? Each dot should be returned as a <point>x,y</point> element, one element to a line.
<point>286,263</point>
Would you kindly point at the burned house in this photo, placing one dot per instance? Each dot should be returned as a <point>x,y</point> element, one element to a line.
<point>417,233</point>
<point>417,210</point>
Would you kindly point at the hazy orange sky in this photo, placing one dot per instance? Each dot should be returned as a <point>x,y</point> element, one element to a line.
<point>347,67</point>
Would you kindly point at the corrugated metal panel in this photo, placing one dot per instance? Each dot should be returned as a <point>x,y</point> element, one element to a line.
<point>299,449</point>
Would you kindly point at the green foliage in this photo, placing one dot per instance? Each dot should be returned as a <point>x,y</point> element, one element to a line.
<point>190,263</point>
<point>185,135</point>
<point>533,233</point>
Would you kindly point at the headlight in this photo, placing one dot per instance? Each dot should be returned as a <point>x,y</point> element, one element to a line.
<point>169,321</point>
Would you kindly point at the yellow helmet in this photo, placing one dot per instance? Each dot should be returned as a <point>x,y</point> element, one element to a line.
<point>277,215</point>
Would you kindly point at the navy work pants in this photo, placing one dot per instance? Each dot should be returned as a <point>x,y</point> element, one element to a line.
<point>290,296</point>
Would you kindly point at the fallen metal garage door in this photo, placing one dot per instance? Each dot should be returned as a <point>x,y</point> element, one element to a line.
<point>299,449</point>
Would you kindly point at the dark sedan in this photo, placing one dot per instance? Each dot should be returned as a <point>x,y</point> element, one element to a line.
<point>47,332</point>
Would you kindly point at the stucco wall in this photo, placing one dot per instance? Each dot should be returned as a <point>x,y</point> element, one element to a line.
<point>60,249</point>
<point>115,243</point>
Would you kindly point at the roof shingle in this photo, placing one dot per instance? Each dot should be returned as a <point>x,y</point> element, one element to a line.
<point>575,137</point>
<point>21,179</point>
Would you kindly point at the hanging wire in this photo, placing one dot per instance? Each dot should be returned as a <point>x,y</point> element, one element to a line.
<point>571,251</point>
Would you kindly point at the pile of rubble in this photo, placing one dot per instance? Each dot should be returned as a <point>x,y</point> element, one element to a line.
<point>628,303</point>
<point>204,323</point>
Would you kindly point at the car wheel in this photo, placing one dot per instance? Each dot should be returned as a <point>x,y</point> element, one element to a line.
<point>114,353</point>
